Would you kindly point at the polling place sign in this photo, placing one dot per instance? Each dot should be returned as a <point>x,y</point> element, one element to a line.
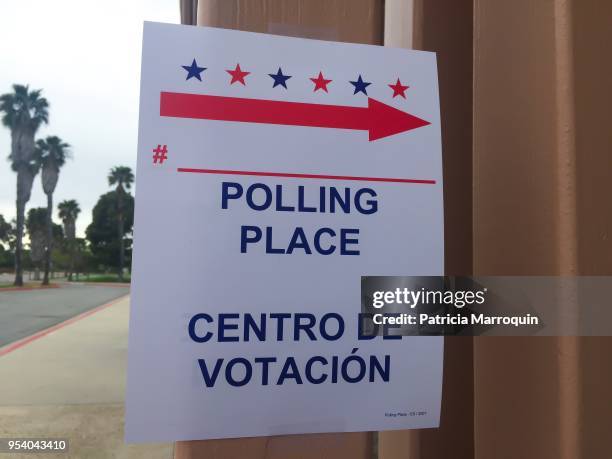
<point>272,174</point>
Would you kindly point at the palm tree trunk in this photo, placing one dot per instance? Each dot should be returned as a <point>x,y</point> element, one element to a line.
<point>19,237</point>
<point>71,267</point>
<point>121,244</point>
<point>49,238</point>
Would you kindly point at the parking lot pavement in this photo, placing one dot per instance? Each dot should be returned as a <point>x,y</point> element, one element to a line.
<point>24,312</point>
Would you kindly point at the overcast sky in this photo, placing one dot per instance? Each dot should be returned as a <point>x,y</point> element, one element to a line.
<point>85,55</point>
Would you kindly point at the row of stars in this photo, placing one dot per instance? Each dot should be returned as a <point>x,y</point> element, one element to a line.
<point>238,75</point>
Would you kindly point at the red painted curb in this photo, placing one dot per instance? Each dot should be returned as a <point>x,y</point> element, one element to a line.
<point>39,334</point>
<point>42,287</point>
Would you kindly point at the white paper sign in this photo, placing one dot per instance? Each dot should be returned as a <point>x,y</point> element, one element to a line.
<point>272,174</point>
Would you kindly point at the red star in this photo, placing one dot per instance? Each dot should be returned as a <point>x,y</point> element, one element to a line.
<point>237,75</point>
<point>320,82</point>
<point>398,89</point>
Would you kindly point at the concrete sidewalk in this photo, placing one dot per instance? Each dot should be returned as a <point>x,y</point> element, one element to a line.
<point>70,383</point>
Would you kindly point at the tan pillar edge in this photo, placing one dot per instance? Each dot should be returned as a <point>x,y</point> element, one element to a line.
<point>398,33</point>
<point>568,356</point>
<point>358,21</point>
<point>399,23</point>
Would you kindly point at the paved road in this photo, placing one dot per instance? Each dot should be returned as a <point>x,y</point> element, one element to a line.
<point>25,312</point>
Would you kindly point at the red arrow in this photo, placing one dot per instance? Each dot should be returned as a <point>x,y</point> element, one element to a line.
<point>379,119</point>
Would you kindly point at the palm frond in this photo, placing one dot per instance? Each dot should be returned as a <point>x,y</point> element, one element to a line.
<point>122,176</point>
<point>69,209</point>
<point>24,107</point>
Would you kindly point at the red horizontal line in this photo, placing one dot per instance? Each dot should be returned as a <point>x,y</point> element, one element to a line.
<point>306,176</point>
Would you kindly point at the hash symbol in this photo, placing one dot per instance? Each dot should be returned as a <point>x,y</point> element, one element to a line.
<point>161,154</point>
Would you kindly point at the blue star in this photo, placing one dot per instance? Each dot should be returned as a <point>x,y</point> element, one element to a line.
<point>193,70</point>
<point>360,86</point>
<point>279,78</point>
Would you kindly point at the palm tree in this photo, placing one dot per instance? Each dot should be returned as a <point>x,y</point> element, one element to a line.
<point>52,153</point>
<point>36,225</point>
<point>69,211</point>
<point>24,111</point>
<point>123,177</point>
